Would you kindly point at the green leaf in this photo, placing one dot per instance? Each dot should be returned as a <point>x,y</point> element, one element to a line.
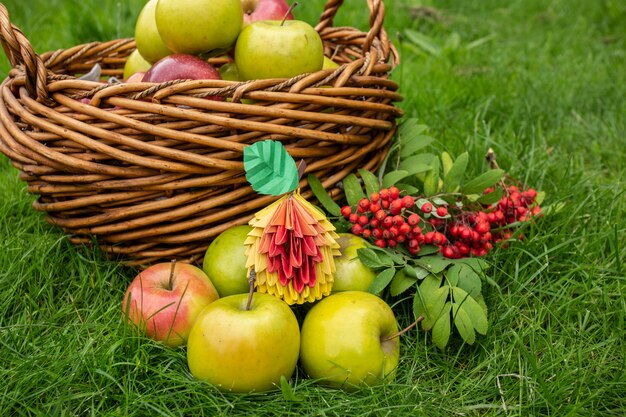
<point>322,196</point>
<point>441,330</point>
<point>474,310</point>
<point>446,162</point>
<point>422,160</point>
<point>468,279</point>
<point>418,142</point>
<point>423,41</point>
<point>352,189</point>
<point>269,168</point>
<point>463,323</point>
<point>388,256</point>
<point>370,180</point>
<point>429,300</point>
<point>401,282</point>
<point>287,390</point>
<point>370,259</point>
<point>483,181</point>
<point>410,129</point>
<point>390,178</point>
<point>382,280</point>
<point>491,197</point>
<point>416,272</point>
<point>434,263</point>
<point>409,189</point>
<point>431,181</point>
<point>455,175</point>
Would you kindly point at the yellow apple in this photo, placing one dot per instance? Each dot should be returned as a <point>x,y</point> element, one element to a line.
<point>147,38</point>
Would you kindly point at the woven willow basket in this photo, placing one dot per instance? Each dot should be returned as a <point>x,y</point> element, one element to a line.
<point>153,172</point>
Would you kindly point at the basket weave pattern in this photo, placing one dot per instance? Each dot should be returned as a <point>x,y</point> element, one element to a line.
<point>155,171</point>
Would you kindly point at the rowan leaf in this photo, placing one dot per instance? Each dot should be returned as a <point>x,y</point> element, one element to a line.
<point>415,144</point>
<point>382,280</point>
<point>401,282</point>
<point>483,181</point>
<point>441,329</point>
<point>352,189</point>
<point>434,263</point>
<point>474,310</point>
<point>269,168</point>
<point>431,298</point>
<point>322,196</point>
<point>468,279</point>
<point>370,180</point>
<point>370,259</point>
<point>454,176</point>
<point>392,177</point>
<point>431,181</point>
<point>410,129</point>
<point>491,197</point>
<point>463,323</point>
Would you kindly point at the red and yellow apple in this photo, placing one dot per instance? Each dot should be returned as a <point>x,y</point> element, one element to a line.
<point>349,339</point>
<point>255,10</point>
<point>241,350</point>
<point>164,300</point>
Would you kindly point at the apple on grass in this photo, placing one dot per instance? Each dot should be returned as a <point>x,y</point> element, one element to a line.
<point>225,261</point>
<point>164,300</point>
<point>147,38</point>
<point>182,67</point>
<point>242,348</point>
<point>255,10</point>
<point>278,49</point>
<point>199,26</point>
<point>350,273</point>
<point>349,339</point>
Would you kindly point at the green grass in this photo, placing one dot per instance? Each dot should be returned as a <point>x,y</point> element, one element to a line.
<point>546,92</point>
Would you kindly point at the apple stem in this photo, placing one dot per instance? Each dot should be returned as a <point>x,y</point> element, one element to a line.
<point>171,281</point>
<point>251,279</point>
<point>403,331</point>
<point>293,6</point>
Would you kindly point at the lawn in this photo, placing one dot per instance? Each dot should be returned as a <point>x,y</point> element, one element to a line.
<point>542,82</point>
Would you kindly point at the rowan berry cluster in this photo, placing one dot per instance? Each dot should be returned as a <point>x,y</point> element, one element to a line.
<point>389,219</point>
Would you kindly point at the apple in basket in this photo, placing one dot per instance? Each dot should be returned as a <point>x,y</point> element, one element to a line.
<point>149,42</point>
<point>182,67</point>
<point>278,49</point>
<point>243,344</point>
<point>199,26</point>
<point>255,10</point>
<point>349,339</point>
<point>164,300</point>
<point>135,63</point>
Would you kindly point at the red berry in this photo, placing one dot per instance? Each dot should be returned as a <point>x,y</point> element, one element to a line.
<point>357,229</point>
<point>428,237</point>
<point>392,243</point>
<point>380,243</point>
<point>416,230</point>
<point>401,238</point>
<point>408,201</point>
<point>413,219</point>
<point>426,207</point>
<point>380,215</point>
<point>395,207</point>
<point>482,227</point>
<point>386,234</point>
<point>466,233</point>
<point>364,203</point>
<point>536,210</point>
<point>385,204</point>
<point>393,231</point>
<point>413,243</point>
<point>463,248</point>
<point>377,233</point>
<point>346,211</point>
<point>448,252</point>
<point>394,193</point>
<point>414,251</point>
<point>491,217</point>
<point>363,220</point>
<point>384,194</point>
<point>366,233</point>
<point>398,220</point>
<point>442,211</point>
<point>404,229</point>
<point>374,207</point>
<point>374,223</point>
<point>354,218</point>
<point>374,197</point>
<point>529,195</point>
<point>387,222</point>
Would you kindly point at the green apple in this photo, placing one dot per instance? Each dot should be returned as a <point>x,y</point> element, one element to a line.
<point>225,261</point>
<point>348,339</point>
<point>350,273</point>
<point>147,38</point>
<point>135,63</point>
<point>229,71</point>
<point>329,63</point>
<point>276,49</point>
<point>198,26</point>
<point>241,350</point>
<point>164,300</point>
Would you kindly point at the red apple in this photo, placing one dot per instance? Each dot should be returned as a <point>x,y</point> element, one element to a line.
<point>255,10</point>
<point>182,67</point>
<point>164,300</point>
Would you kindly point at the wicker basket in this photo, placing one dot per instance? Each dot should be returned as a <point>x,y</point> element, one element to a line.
<point>155,171</point>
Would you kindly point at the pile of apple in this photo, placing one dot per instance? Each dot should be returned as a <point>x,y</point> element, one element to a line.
<point>259,39</point>
<point>242,341</point>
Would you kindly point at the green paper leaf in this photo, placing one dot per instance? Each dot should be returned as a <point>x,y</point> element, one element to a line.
<point>454,175</point>
<point>370,180</point>
<point>483,181</point>
<point>269,168</point>
<point>441,330</point>
<point>352,189</point>
<point>382,280</point>
<point>320,193</point>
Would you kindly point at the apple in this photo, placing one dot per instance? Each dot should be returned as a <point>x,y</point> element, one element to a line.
<point>135,63</point>
<point>225,261</point>
<point>199,26</point>
<point>229,71</point>
<point>136,77</point>
<point>277,49</point>
<point>349,339</point>
<point>182,67</point>
<point>241,350</point>
<point>350,273</point>
<point>165,299</point>
<point>329,63</point>
<point>147,38</point>
<point>255,10</point>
